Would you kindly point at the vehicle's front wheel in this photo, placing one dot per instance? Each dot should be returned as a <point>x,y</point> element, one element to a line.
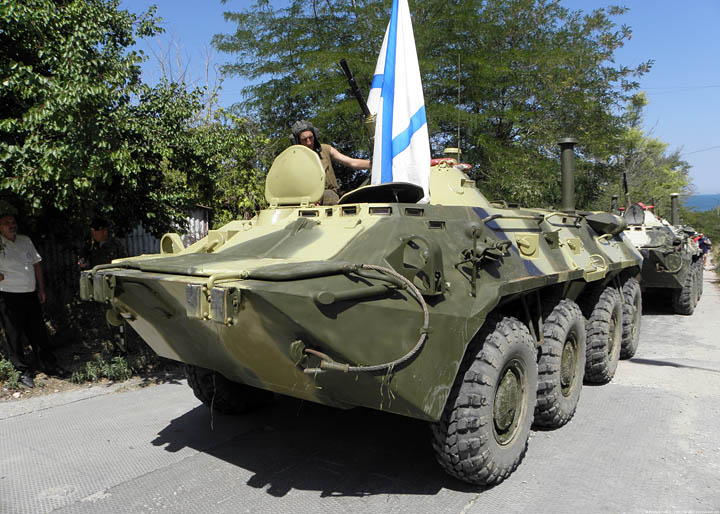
<point>483,432</point>
<point>223,395</point>
<point>561,366</point>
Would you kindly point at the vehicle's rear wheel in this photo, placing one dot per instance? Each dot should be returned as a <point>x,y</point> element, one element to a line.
<point>699,278</point>
<point>684,300</point>
<point>223,395</point>
<point>632,315</point>
<point>604,314</point>
<point>561,366</point>
<point>483,432</point>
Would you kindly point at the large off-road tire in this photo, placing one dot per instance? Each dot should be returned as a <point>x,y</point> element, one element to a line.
<point>483,433</point>
<point>603,311</point>
<point>632,315</point>
<point>684,300</point>
<point>223,395</point>
<point>561,365</point>
<point>698,278</point>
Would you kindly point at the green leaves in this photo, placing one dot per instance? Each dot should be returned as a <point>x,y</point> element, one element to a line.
<point>81,135</point>
<point>652,173</point>
<point>530,71</point>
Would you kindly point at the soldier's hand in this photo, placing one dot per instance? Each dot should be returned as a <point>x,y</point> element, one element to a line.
<point>2,277</point>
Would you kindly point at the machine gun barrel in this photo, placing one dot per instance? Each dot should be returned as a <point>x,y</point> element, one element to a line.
<point>354,87</point>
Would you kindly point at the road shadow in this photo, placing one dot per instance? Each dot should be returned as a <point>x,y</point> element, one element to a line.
<point>298,445</point>
<point>292,444</point>
<point>650,362</point>
<point>658,303</point>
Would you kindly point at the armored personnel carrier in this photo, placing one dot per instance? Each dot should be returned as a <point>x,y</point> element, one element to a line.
<point>672,261</point>
<point>474,316</point>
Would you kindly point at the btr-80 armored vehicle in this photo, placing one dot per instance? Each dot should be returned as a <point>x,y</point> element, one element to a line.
<point>672,261</point>
<point>476,317</point>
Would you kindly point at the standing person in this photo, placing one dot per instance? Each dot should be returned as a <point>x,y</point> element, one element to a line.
<point>304,133</point>
<point>102,247</point>
<point>22,290</point>
<point>704,244</point>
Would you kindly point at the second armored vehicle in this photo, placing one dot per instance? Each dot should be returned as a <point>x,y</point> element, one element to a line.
<point>672,261</point>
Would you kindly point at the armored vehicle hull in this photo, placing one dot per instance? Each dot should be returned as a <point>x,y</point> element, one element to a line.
<point>455,311</point>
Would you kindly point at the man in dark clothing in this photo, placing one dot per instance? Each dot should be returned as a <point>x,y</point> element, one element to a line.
<point>304,133</point>
<point>22,290</point>
<point>102,248</point>
<point>705,245</point>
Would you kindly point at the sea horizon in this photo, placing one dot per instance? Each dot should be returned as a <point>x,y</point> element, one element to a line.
<point>702,203</point>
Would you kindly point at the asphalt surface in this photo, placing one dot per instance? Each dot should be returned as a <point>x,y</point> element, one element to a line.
<point>648,442</point>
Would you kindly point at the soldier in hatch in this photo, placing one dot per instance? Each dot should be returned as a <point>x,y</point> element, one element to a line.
<point>304,133</point>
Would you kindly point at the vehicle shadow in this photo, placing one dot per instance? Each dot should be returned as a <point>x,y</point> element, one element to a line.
<point>658,303</point>
<point>651,362</point>
<point>292,444</point>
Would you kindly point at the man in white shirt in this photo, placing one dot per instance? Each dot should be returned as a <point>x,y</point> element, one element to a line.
<point>22,289</point>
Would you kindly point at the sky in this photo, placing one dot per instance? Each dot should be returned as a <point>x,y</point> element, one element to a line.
<point>683,86</point>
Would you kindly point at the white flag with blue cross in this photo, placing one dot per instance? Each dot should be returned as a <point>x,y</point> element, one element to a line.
<point>402,144</point>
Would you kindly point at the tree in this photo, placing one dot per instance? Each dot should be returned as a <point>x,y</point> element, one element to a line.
<point>642,162</point>
<point>80,134</point>
<point>229,146</point>
<point>530,72</point>
<point>707,222</point>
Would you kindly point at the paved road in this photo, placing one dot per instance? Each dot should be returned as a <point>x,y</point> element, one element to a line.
<point>648,442</point>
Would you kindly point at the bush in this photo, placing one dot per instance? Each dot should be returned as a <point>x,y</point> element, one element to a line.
<point>9,375</point>
<point>117,369</point>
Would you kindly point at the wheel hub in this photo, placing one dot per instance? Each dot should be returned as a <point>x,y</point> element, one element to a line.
<point>508,406</point>
<point>568,364</point>
<point>614,333</point>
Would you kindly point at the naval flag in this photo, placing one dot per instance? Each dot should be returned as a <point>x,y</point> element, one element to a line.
<point>402,145</point>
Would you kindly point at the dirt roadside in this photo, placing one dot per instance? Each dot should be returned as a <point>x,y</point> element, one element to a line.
<point>82,359</point>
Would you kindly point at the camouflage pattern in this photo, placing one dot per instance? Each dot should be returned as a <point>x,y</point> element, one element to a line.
<point>264,301</point>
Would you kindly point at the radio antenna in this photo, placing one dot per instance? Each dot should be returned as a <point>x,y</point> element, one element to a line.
<point>458,106</point>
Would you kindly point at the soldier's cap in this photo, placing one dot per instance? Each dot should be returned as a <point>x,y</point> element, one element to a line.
<point>7,209</point>
<point>99,223</point>
<point>301,126</point>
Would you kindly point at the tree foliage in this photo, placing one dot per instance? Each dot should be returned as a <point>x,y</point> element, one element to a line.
<point>230,147</point>
<point>707,222</point>
<point>651,173</point>
<point>81,134</point>
<point>530,71</point>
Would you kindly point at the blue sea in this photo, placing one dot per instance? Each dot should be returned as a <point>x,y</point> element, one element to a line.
<point>702,203</point>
